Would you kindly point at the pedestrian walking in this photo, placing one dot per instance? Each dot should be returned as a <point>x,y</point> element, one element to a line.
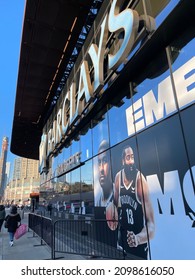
<point>2,215</point>
<point>13,220</point>
<point>49,209</point>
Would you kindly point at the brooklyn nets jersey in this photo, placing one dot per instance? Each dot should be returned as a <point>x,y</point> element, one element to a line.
<point>130,215</point>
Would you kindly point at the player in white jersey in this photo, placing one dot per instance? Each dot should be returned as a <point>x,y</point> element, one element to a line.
<point>103,232</point>
<point>104,173</point>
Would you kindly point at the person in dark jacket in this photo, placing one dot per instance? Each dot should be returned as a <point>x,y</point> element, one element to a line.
<point>2,215</point>
<point>49,208</point>
<point>13,219</point>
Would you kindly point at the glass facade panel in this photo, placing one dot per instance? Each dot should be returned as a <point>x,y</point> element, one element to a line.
<point>154,99</point>
<point>183,65</point>
<point>87,187</point>
<point>67,187</point>
<point>86,145</point>
<point>66,153</point>
<point>117,122</point>
<point>75,147</point>
<point>75,182</point>
<point>59,159</point>
<point>86,177</point>
<point>99,132</point>
<point>184,82</point>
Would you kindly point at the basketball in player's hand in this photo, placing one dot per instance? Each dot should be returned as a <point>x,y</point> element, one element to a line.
<point>112,216</point>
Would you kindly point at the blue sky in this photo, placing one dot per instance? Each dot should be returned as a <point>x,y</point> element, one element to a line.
<point>11,21</point>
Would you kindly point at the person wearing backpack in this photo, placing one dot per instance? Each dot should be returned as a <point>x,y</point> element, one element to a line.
<point>13,220</point>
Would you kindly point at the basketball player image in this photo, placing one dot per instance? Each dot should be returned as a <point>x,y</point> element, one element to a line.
<point>104,173</point>
<point>131,198</point>
<point>105,196</point>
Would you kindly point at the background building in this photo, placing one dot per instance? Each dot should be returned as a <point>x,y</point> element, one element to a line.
<point>26,180</point>
<point>3,160</point>
<point>17,168</point>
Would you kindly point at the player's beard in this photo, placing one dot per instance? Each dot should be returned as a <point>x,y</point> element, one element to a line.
<point>130,171</point>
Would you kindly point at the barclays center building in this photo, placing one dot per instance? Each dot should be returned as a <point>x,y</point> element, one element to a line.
<point>115,133</point>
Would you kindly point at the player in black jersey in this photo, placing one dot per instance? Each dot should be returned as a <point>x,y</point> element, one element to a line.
<point>136,217</point>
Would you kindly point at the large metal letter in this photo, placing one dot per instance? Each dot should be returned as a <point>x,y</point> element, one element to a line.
<point>126,21</point>
<point>97,56</point>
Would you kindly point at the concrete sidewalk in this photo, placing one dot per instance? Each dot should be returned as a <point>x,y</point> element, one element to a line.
<point>24,248</point>
<point>28,247</point>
